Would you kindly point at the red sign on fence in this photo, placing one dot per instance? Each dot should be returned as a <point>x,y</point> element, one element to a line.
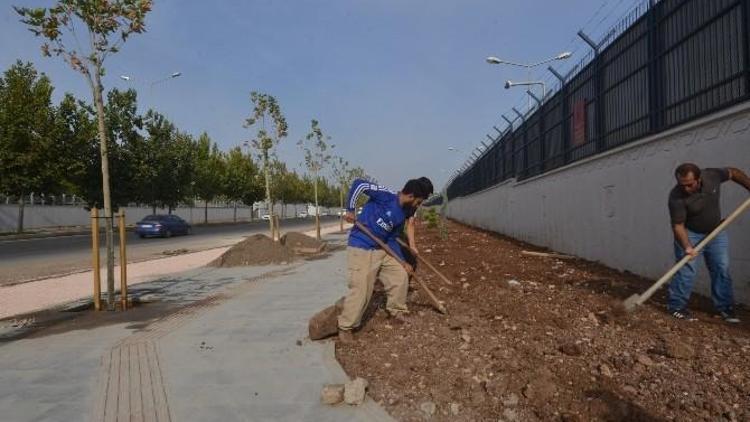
<point>579,123</point>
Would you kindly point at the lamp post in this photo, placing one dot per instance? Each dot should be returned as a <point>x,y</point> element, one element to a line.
<point>151,84</point>
<point>510,84</point>
<point>562,56</point>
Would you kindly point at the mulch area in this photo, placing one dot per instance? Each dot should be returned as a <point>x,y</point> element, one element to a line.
<point>533,338</point>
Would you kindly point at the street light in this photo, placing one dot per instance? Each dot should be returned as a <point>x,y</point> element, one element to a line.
<point>562,56</point>
<point>509,84</point>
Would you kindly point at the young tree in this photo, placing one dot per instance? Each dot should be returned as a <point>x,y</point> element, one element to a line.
<point>27,156</point>
<point>108,25</point>
<point>209,171</point>
<point>266,106</point>
<point>343,178</point>
<point>317,155</point>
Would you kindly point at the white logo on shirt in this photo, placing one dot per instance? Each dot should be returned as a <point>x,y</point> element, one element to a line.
<point>387,226</point>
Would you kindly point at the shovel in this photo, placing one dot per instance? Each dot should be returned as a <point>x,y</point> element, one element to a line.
<point>436,303</point>
<point>638,299</point>
<point>425,262</point>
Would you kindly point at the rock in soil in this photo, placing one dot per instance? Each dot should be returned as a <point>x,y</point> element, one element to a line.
<point>455,409</point>
<point>332,394</point>
<point>674,348</point>
<point>354,391</point>
<point>571,349</point>
<point>325,324</point>
<point>257,249</point>
<point>428,408</point>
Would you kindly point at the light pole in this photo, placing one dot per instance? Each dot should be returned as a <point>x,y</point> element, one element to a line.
<point>173,75</point>
<point>562,56</point>
<point>509,84</point>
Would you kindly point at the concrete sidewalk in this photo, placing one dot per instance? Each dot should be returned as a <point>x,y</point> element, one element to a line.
<point>232,347</point>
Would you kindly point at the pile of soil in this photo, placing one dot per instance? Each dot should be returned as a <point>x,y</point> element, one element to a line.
<point>533,338</point>
<point>257,249</point>
<point>297,240</point>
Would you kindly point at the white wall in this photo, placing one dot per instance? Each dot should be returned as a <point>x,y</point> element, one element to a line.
<point>613,208</point>
<point>41,216</point>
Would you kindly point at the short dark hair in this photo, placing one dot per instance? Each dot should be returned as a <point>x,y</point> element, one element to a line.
<point>420,188</point>
<point>686,168</point>
<point>427,184</point>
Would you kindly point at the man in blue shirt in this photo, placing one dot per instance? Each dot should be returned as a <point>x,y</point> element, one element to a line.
<point>385,214</point>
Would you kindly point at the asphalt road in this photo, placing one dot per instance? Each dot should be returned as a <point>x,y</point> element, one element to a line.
<point>33,259</point>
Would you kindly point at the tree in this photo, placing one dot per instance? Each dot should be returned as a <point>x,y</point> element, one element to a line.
<point>109,24</point>
<point>168,165</point>
<point>27,122</point>
<point>343,178</point>
<point>264,106</point>
<point>241,179</point>
<point>209,171</point>
<point>317,155</point>
<point>77,150</point>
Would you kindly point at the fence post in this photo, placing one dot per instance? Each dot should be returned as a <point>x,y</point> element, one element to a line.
<point>655,85</point>
<point>95,259</point>
<point>123,262</point>
<point>746,43</point>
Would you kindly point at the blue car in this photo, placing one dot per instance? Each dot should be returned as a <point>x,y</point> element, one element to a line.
<point>162,225</point>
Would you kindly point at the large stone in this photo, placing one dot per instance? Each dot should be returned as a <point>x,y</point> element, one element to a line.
<point>325,323</point>
<point>354,391</point>
<point>332,394</point>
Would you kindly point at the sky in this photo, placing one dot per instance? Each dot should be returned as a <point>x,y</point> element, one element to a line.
<point>395,83</point>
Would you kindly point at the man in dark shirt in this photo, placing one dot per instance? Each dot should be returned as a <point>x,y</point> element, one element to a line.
<point>694,208</point>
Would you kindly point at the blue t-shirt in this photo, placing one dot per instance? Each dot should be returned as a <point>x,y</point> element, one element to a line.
<point>382,215</point>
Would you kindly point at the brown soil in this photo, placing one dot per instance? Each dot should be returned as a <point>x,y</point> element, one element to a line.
<point>257,249</point>
<point>531,338</point>
<point>299,240</point>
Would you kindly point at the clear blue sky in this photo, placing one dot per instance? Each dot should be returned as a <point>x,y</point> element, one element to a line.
<point>394,82</point>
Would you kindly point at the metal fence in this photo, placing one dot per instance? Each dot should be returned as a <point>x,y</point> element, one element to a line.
<point>674,62</point>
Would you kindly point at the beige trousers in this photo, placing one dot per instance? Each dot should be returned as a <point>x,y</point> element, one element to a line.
<point>364,267</point>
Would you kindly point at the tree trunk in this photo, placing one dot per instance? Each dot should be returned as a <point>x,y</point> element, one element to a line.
<point>317,208</point>
<point>235,211</point>
<point>341,210</point>
<point>268,191</point>
<point>153,208</point>
<point>21,206</point>
<point>205,212</point>
<point>103,145</point>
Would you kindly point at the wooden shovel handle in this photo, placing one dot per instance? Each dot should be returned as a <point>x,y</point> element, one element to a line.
<point>426,262</point>
<point>435,302</point>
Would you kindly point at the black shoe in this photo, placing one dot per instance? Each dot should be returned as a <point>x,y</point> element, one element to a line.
<point>729,317</point>
<point>683,314</point>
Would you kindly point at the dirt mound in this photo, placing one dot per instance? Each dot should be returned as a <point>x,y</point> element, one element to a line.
<point>548,347</point>
<point>257,249</point>
<point>299,241</point>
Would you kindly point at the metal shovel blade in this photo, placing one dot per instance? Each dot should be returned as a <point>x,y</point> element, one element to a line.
<point>632,302</point>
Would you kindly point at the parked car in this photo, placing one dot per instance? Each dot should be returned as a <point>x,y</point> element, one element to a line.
<point>266,217</point>
<point>302,215</point>
<point>162,225</point>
